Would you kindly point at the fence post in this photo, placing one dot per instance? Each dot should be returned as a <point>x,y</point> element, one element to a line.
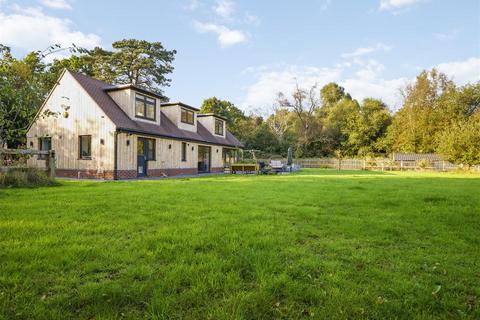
<point>51,163</point>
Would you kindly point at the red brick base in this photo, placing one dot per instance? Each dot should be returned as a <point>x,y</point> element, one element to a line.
<point>123,174</point>
<point>126,174</point>
<point>84,174</point>
<point>170,172</point>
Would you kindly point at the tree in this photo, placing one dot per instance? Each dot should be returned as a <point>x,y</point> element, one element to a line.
<point>426,105</point>
<point>142,63</point>
<point>332,93</point>
<point>460,143</point>
<point>367,127</point>
<point>226,109</point>
<point>21,93</point>
<point>280,122</point>
<point>304,103</point>
<point>139,62</point>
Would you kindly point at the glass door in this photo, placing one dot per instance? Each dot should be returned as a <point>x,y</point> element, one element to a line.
<point>141,157</point>
<point>203,159</point>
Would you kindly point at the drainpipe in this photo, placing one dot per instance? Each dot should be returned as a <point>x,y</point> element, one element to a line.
<point>115,154</point>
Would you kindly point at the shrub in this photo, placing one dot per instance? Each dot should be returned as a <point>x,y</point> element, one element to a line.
<point>28,177</point>
<point>424,163</point>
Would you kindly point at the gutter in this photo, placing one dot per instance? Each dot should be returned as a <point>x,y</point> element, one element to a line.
<point>115,154</point>
<point>176,138</point>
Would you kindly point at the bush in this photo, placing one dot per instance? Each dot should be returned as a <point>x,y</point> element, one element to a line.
<point>29,177</point>
<point>424,163</point>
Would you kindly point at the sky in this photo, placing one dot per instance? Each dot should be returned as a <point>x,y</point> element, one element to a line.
<point>248,51</point>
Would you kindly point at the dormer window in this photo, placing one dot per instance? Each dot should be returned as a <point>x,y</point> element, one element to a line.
<point>145,107</point>
<point>219,127</point>
<point>187,116</point>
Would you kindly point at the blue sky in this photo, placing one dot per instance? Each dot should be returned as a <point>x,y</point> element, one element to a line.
<point>247,51</point>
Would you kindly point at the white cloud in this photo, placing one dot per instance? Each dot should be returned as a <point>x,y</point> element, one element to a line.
<point>448,35</point>
<point>395,5</point>
<point>224,8</point>
<point>462,72</point>
<point>31,29</point>
<point>261,95</point>
<point>360,78</point>
<point>366,50</point>
<point>57,4</point>
<point>226,36</point>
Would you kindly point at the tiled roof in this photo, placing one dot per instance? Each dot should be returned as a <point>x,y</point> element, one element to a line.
<point>97,90</point>
<point>416,156</point>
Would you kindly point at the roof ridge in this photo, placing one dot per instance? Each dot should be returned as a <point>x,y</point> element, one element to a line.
<point>96,90</point>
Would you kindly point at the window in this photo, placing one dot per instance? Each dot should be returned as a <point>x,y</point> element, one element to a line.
<point>44,144</point>
<point>187,116</point>
<point>184,151</point>
<point>219,127</point>
<point>85,149</point>
<point>146,147</point>
<point>145,107</point>
<point>150,149</point>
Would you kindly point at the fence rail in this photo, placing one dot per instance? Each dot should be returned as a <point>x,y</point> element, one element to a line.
<point>383,164</point>
<point>14,159</point>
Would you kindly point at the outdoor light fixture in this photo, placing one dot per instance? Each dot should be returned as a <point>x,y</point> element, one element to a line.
<point>128,143</point>
<point>102,142</point>
<point>169,146</point>
<point>193,148</point>
<point>31,143</point>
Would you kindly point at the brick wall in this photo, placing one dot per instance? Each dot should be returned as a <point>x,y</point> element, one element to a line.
<point>170,172</point>
<point>126,174</point>
<point>216,170</point>
<point>84,174</point>
<point>123,174</point>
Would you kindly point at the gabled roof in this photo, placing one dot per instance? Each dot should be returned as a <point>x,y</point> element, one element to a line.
<point>97,90</point>
<point>211,115</point>
<point>168,104</point>
<point>416,156</point>
<point>133,87</point>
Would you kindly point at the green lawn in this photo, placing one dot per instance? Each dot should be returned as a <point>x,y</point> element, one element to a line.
<point>318,244</point>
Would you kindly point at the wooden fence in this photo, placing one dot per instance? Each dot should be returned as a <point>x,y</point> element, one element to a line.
<point>14,159</point>
<point>383,164</point>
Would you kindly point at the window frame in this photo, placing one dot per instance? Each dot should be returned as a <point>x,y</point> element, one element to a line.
<point>40,147</point>
<point>144,98</point>
<point>184,152</point>
<point>187,112</point>
<point>80,156</point>
<point>219,133</point>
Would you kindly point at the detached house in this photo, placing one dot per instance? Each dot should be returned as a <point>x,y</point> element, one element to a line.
<point>119,132</point>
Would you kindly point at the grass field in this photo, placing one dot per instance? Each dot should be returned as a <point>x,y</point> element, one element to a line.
<point>318,244</point>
